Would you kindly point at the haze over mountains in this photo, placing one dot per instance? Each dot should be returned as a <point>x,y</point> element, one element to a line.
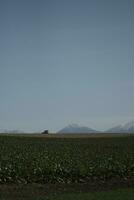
<point>10,131</point>
<point>126,128</point>
<point>75,128</point>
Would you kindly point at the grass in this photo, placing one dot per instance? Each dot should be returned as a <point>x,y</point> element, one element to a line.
<point>36,192</point>
<point>127,194</point>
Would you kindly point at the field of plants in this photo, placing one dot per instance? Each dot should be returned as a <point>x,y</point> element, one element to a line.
<point>65,160</point>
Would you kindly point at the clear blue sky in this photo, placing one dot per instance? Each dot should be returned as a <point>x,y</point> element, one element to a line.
<point>66,61</point>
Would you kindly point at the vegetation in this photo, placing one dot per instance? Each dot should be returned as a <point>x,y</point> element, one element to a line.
<point>41,192</point>
<point>65,160</point>
<point>109,195</point>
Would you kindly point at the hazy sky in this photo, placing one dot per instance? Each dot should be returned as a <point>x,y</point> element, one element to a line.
<point>66,61</point>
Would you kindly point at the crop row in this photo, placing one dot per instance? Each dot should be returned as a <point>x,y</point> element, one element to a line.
<point>43,160</point>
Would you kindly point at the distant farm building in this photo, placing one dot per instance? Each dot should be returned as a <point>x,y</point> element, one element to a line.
<point>45,132</point>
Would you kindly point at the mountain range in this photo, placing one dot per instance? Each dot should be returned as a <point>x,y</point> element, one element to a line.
<point>74,128</point>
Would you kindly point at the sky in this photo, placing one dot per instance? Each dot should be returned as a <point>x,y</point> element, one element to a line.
<point>64,62</point>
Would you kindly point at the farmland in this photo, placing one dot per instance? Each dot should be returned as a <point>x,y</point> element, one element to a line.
<point>52,160</point>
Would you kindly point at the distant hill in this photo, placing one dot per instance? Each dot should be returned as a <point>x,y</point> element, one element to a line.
<point>126,128</point>
<point>74,128</point>
<point>10,131</point>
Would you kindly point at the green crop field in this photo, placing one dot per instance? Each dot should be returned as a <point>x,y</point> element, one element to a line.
<point>65,160</point>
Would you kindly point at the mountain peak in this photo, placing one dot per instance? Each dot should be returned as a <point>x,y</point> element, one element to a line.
<point>129,125</point>
<point>75,128</point>
<point>126,128</point>
<point>73,125</point>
